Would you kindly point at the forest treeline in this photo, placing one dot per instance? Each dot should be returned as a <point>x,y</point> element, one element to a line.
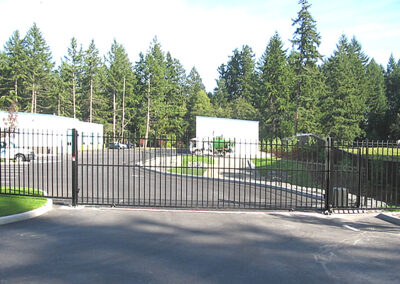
<point>347,95</point>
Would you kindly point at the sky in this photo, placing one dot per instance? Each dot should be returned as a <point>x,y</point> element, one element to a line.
<point>202,34</point>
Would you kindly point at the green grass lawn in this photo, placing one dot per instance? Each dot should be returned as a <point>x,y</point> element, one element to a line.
<point>391,208</point>
<point>195,170</point>
<point>14,204</point>
<point>376,151</point>
<point>287,170</point>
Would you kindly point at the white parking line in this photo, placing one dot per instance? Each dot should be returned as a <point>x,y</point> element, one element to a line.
<point>351,228</point>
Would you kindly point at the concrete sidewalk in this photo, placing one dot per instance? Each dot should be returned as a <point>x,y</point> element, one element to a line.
<point>89,245</point>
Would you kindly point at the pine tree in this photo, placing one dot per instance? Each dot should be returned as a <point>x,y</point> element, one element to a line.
<point>392,83</point>
<point>150,72</point>
<point>75,64</point>
<point>306,40</point>
<point>344,105</point>
<point>175,100</point>
<point>376,103</point>
<point>239,75</point>
<point>39,73</point>
<point>197,101</point>
<point>242,109</point>
<point>4,90</point>
<point>120,81</point>
<point>275,88</point>
<point>70,74</point>
<point>198,105</point>
<point>14,60</point>
<point>92,102</point>
<point>194,83</point>
<point>220,96</point>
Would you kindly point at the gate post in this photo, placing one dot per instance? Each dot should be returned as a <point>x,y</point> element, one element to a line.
<point>359,152</point>
<point>74,167</point>
<point>328,169</point>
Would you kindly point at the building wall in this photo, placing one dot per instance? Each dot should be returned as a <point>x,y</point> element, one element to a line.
<point>245,133</point>
<point>45,132</point>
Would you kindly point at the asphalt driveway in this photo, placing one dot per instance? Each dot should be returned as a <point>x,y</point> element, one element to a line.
<point>89,245</point>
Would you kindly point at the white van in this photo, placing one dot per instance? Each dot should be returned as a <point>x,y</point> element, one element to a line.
<point>11,152</point>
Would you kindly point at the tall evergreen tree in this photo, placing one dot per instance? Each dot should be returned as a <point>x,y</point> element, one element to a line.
<point>70,72</point>
<point>220,96</point>
<point>376,103</point>
<point>306,41</point>
<point>14,60</point>
<point>198,105</point>
<point>175,99</point>
<point>392,83</point>
<point>5,98</point>
<point>39,73</point>
<point>239,75</point>
<point>120,81</point>
<point>194,83</point>
<point>150,72</point>
<point>275,105</point>
<point>344,106</point>
<point>242,109</point>
<point>197,101</point>
<point>93,81</point>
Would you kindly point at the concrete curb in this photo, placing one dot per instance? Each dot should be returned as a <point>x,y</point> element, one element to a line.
<point>389,218</point>
<point>27,215</point>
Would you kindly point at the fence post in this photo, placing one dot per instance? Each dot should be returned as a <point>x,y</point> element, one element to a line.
<point>74,167</point>
<point>359,152</point>
<point>328,157</point>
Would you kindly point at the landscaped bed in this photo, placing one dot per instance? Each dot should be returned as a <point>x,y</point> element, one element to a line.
<point>193,165</point>
<point>15,204</point>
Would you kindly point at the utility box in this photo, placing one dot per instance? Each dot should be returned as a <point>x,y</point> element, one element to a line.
<point>340,197</point>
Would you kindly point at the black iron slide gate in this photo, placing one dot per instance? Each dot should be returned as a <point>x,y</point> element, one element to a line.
<point>300,173</point>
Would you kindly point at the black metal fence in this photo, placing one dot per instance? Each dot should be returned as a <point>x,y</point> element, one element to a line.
<point>35,163</point>
<point>214,173</point>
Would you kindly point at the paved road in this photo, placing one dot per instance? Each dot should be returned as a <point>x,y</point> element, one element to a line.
<point>130,246</point>
<point>117,177</point>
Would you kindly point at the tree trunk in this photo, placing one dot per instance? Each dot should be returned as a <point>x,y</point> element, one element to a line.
<point>123,110</point>
<point>16,95</point>
<point>148,115</point>
<point>91,101</point>
<point>114,115</point>
<point>33,98</point>
<point>16,90</point>
<point>35,110</point>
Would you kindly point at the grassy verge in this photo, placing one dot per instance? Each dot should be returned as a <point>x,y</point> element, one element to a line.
<point>286,170</point>
<point>14,204</point>
<point>391,208</point>
<point>375,151</point>
<point>188,168</point>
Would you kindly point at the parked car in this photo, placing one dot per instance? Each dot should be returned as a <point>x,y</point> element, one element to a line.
<point>130,145</point>
<point>116,145</point>
<point>12,152</point>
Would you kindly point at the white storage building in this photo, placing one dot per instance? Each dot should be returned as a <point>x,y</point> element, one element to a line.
<point>245,133</point>
<point>52,131</point>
